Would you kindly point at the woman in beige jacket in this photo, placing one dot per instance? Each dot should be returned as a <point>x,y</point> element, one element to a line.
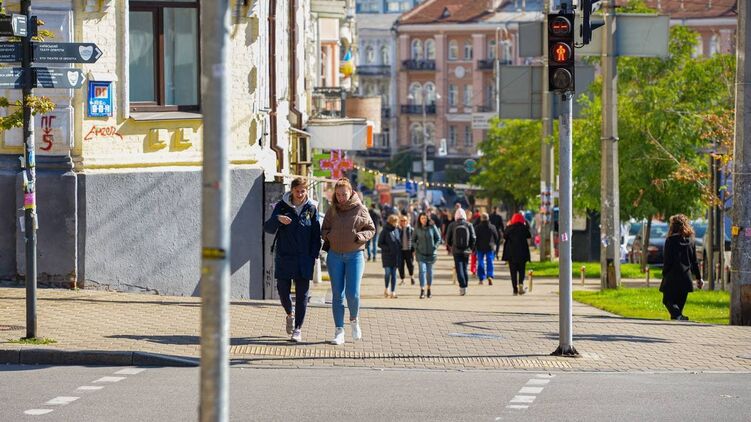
<point>346,229</point>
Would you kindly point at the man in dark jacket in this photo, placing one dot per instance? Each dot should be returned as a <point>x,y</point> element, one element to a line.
<point>487,241</point>
<point>497,220</point>
<point>296,246</point>
<point>461,239</point>
<point>372,246</point>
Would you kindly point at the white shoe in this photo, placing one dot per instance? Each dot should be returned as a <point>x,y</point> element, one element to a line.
<point>297,336</point>
<point>290,323</point>
<point>462,291</point>
<point>338,336</point>
<point>356,332</point>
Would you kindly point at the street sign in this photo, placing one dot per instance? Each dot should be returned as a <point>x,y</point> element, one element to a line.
<point>636,35</point>
<point>470,165</point>
<point>482,120</point>
<point>65,52</point>
<point>50,77</point>
<point>13,25</point>
<point>10,52</point>
<point>11,78</point>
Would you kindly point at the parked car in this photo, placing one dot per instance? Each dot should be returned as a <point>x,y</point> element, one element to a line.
<point>657,235</point>
<point>701,254</point>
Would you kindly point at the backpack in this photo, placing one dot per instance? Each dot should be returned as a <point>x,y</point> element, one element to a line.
<point>461,237</point>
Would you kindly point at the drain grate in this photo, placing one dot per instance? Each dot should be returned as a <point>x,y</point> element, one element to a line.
<point>476,335</point>
<point>11,327</point>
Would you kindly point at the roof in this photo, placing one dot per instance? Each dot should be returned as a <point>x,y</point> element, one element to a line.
<point>693,9</point>
<point>447,11</point>
<point>376,21</point>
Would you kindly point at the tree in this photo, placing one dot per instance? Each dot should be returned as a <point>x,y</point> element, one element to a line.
<point>509,169</point>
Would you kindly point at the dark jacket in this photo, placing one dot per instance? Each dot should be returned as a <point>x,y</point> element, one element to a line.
<point>298,243</point>
<point>391,247</point>
<point>450,238</point>
<point>426,240</point>
<point>487,237</point>
<point>406,232</point>
<point>497,221</point>
<point>515,247</point>
<point>376,217</point>
<point>680,262</point>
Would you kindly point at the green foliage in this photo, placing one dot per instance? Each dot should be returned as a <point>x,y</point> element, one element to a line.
<point>509,169</point>
<point>36,340</point>
<point>400,164</point>
<point>635,6</point>
<point>549,269</point>
<point>663,109</point>
<point>702,306</point>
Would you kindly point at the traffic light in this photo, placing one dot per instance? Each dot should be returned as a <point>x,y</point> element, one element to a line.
<point>561,52</point>
<point>587,7</point>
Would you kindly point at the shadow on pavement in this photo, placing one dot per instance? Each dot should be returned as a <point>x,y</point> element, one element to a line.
<point>612,338</point>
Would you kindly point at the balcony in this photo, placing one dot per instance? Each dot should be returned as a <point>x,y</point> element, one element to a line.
<point>489,64</point>
<point>418,64</point>
<point>327,102</point>
<point>374,70</point>
<point>385,112</point>
<point>417,109</point>
<point>485,109</point>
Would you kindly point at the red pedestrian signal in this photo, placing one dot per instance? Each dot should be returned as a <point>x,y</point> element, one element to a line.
<point>561,52</point>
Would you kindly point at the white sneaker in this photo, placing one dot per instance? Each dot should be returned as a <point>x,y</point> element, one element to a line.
<point>462,291</point>
<point>290,323</point>
<point>338,336</point>
<point>297,336</point>
<point>356,332</point>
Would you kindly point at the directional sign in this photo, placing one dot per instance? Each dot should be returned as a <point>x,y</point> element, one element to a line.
<point>11,78</point>
<point>65,52</point>
<point>13,25</point>
<point>10,52</point>
<point>50,77</point>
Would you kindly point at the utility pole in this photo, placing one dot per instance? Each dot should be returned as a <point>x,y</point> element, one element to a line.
<point>740,264</point>
<point>610,219</point>
<point>424,145</point>
<point>29,182</point>
<point>215,235</point>
<point>547,165</point>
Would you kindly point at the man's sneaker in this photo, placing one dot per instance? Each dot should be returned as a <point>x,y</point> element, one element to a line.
<point>290,323</point>
<point>356,332</point>
<point>490,281</point>
<point>338,336</point>
<point>297,336</point>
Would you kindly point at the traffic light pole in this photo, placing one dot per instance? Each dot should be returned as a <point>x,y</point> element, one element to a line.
<point>565,215</point>
<point>547,175</point>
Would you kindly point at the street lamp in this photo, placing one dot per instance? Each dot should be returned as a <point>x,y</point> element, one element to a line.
<point>424,106</point>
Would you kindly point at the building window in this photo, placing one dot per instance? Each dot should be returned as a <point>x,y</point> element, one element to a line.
<point>416,50</point>
<point>430,131</point>
<point>372,90</point>
<point>453,50</point>
<point>467,95</point>
<point>468,142</point>
<point>164,56</point>
<point>452,136</point>
<point>415,134</point>
<point>430,93</point>
<point>430,49</point>
<point>699,47</point>
<point>452,95</point>
<point>368,6</point>
<point>467,50</point>
<point>491,50</point>
<point>385,135</point>
<point>506,54</point>
<point>370,54</point>
<point>415,94</point>
<point>490,96</point>
<point>714,45</point>
<point>385,56</point>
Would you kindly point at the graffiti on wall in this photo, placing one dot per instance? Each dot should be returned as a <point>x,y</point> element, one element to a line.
<point>102,132</point>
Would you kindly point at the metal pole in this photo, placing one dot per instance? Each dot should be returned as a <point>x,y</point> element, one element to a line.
<point>547,166</point>
<point>740,264</point>
<point>424,145</point>
<point>709,246</point>
<point>610,220</point>
<point>565,139</point>
<point>29,183</point>
<point>215,237</point>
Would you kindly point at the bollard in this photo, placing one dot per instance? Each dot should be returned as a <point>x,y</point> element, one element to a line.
<point>530,274</point>
<point>582,273</point>
<point>646,270</point>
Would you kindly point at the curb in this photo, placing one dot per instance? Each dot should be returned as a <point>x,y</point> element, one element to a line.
<point>92,357</point>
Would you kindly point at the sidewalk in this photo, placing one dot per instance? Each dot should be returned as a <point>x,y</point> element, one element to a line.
<point>487,329</point>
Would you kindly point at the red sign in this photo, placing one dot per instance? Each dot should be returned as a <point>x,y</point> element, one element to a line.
<point>337,163</point>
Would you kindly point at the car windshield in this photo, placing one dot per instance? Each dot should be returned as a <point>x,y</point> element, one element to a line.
<point>658,230</point>
<point>634,229</point>
<point>700,229</point>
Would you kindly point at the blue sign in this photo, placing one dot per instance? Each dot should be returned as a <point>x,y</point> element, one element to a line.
<point>100,99</point>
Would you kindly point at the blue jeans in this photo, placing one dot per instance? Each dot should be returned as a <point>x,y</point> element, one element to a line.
<point>346,271</point>
<point>461,263</point>
<point>485,264</point>
<point>390,278</point>
<point>372,246</point>
<point>426,272</point>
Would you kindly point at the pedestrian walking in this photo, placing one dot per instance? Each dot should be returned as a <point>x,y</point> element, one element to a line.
<point>346,229</point>
<point>487,240</point>
<point>372,246</point>
<point>296,246</point>
<point>407,256</point>
<point>497,220</point>
<point>679,262</point>
<point>474,220</point>
<point>391,250</point>
<point>426,240</point>
<point>460,237</point>
<point>516,251</point>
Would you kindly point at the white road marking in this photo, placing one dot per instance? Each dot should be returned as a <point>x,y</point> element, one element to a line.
<point>535,381</point>
<point>130,371</point>
<point>90,387</point>
<point>530,390</point>
<point>62,400</point>
<point>516,406</point>
<point>36,412</point>
<point>110,379</point>
<point>523,399</point>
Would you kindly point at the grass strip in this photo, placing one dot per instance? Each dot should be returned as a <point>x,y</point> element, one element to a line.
<point>550,269</point>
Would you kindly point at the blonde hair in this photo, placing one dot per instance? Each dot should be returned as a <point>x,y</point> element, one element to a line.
<point>343,182</point>
<point>393,219</point>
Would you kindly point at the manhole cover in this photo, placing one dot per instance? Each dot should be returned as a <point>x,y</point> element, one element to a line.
<point>11,327</point>
<point>476,335</point>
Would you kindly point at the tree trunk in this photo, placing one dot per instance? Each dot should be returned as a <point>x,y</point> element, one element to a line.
<point>646,229</point>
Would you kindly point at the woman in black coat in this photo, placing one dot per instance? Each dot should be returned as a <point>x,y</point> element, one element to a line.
<point>680,262</point>
<point>391,249</point>
<point>516,251</point>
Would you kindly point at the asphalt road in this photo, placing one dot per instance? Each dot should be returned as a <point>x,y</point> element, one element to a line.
<point>171,394</point>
